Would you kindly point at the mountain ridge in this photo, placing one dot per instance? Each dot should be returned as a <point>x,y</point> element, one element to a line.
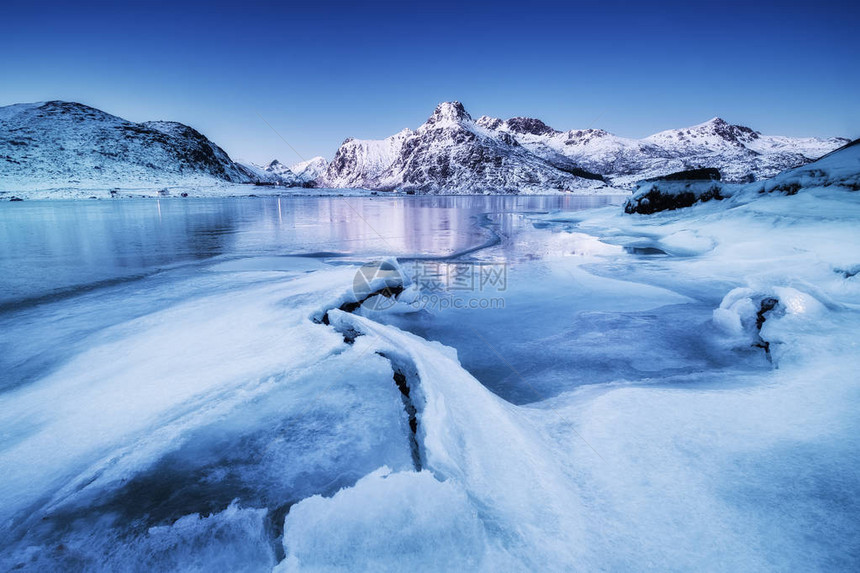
<point>452,153</point>
<point>532,150</point>
<point>58,144</point>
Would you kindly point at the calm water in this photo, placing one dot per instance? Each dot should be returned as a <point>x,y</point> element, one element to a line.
<point>59,248</point>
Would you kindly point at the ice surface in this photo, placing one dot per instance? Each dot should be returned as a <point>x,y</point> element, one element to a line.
<point>621,412</point>
<point>219,397</point>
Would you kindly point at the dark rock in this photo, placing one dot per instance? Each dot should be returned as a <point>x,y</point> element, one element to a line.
<point>848,273</point>
<point>704,174</point>
<point>529,125</point>
<point>654,199</point>
<point>765,306</point>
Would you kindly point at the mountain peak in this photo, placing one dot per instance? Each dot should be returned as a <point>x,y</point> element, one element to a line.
<point>449,111</point>
<point>488,122</point>
<point>730,132</point>
<point>715,131</point>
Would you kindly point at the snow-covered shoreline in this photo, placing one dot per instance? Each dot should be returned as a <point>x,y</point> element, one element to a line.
<point>227,190</point>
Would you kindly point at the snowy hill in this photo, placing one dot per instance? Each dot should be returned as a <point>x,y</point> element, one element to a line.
<point>451,153</point>
<point>300,174</point>
<point>278,168</point>
<point>69,145</point>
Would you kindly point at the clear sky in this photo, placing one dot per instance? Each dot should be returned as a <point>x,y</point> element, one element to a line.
<point>320,71</point>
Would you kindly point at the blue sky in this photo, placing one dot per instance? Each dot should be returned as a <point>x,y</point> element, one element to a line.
<point>319,72</point>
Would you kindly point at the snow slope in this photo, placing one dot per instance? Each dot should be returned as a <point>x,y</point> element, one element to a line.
<point>839,169</point>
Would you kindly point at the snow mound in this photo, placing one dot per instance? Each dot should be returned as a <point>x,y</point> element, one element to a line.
<point>482,444</point>
<point>656,196</point>
<point>749,317</point>
<point>841,168</point>
<point>386,522</point>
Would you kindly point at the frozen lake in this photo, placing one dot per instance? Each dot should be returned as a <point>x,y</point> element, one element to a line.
<point>58,257</point>
<point>190,384</point>
<point>48,248</point>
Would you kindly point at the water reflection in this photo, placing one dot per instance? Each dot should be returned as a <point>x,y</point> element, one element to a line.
<point>55,246</point>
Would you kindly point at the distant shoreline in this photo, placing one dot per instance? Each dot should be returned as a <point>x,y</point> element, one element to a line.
<point>262,191</point>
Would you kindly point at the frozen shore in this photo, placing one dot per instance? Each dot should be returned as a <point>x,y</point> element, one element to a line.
<point>238,190</point>
<point>253,415</point>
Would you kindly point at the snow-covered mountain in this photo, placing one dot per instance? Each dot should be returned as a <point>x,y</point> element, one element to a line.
<point>360,162</point>
<point>59,144</point>
<point>263,176</point>
<point>311,169</point>
<point>740,153</point>
<point>300,174</point>
<point>278,168</point>
<point>52,145</point>
<point>451,153</point>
